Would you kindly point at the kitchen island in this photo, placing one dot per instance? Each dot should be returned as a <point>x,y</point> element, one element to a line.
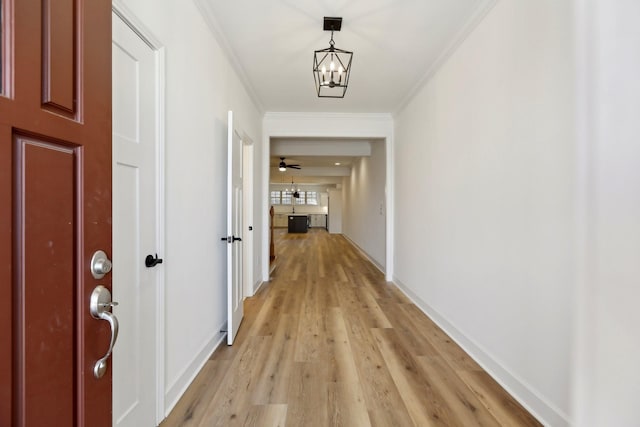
<point>298,223</point>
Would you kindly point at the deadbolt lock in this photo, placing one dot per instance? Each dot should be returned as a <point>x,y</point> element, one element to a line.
<point>100,264</point>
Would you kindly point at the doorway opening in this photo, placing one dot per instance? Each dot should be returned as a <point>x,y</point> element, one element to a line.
<point>320,131</point>
<point>335,184</point>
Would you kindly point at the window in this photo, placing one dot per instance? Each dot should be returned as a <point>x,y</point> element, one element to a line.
<point>275,197</point>
<point>286,198</point>
<point>312,197</point>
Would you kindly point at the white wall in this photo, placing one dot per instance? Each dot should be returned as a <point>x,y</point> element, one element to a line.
<point>485,199</point>
<point>607,374</point>
<point>201,86</point>
<point>365,205</point>
<point>335,211</point>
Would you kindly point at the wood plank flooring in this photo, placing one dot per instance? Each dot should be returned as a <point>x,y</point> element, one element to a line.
<point>327,342</point>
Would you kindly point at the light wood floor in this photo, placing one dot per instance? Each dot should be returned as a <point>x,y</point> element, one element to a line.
<point>327,342</point>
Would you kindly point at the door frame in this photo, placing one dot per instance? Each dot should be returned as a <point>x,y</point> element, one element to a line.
<point>247,215</point>
<point>377,126</point>
<point>154,43</point>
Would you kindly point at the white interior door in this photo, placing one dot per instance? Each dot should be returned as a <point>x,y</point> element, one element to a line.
<point>234,232</point>
<point>134,226</point>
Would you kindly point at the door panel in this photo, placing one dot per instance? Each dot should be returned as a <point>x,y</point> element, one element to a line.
<point>46,190</point>
<point>134,220</point>
<point>234,231</point>
<point>59,56</point>
<point>55,210</point>
<point>6,287</point>
<point>3,30</point>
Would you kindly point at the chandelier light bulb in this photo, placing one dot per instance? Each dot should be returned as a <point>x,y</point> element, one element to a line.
<point>332,66</point>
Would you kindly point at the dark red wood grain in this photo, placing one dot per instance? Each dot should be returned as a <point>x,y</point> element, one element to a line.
<point>55,210</point>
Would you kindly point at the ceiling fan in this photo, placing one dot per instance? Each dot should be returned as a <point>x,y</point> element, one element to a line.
<point>283,166</point>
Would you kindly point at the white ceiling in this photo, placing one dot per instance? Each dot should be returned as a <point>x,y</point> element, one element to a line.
<point>314,169</point>
<point>314,161</point>
<point>396,45</point>
<point>317,157</point>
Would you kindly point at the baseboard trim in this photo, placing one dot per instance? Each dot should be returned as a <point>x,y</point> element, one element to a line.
<point>257,286</point>
<point>179,386</point>
<point>545,412</point>
<point>365,254</point>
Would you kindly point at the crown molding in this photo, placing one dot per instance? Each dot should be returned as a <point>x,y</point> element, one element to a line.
<point>279,115</point>
<point>472,23</point>
<point>209,17</point>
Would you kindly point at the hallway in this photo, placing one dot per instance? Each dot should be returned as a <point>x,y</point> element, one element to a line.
<point>328,342</point>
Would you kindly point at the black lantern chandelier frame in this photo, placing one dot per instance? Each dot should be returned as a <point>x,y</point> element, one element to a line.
<point>332,66</point>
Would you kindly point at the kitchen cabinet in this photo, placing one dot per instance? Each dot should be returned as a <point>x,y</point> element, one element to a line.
<point>318,220</point>
<point>280,220</point>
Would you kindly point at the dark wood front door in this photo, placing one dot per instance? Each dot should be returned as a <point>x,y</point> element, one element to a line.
<point>55,210</point>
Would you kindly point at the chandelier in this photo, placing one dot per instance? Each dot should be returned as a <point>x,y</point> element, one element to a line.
<point>331,66</point>
<point>295,193</point>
